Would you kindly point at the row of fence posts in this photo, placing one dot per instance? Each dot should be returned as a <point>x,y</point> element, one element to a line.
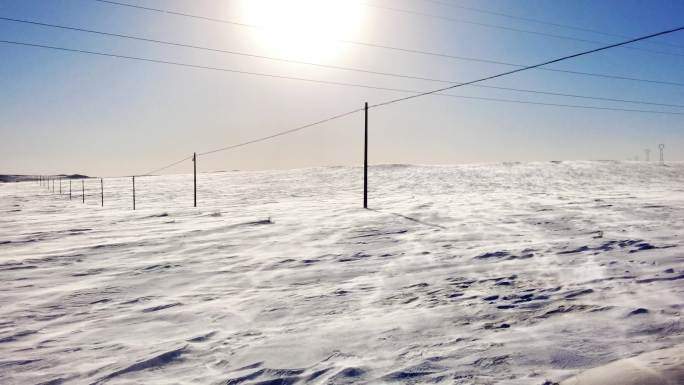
<point>49,182</point>
<point>46,180</point>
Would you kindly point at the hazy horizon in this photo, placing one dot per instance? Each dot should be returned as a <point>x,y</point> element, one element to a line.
<point>370,165</point>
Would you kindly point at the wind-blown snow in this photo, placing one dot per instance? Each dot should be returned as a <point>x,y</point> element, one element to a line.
<point>477,274</point>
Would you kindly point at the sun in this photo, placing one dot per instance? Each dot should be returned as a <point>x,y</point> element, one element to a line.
<point>308,30</point>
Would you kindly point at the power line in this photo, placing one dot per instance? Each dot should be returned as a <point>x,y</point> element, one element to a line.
<point>534,66</point>
<point>437,91</point>
<point>397,49</point>
<point>415,92</point>
<point>557,104</point>
<point>361,70</point>
<point>196,66</point>
<point>544,22</point>
<point>458,85</point>
<point>511,29</point>
<point>580,96</point>
<point>150,173</point>
<point>281,133</point>
<point>340,67</point>
<point>394,9</point>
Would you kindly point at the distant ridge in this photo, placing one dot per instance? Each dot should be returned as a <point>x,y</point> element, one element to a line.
<point>10,178</point>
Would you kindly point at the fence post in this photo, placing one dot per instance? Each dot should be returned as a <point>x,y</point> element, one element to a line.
<point>83,189</point>
<point>102,190</point>
<point>365,159</point>
<point>133,192</point>
<point>194,164</point>
<point>69,189</point>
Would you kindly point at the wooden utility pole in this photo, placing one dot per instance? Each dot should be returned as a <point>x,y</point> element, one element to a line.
<point>69,189</point>
<point>134,192</point>
<point>194,165</point>
<point>102,191</point>
<point>365,159</point>
<point>83,190</point>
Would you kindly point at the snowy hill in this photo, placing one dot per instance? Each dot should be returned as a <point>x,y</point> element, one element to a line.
<point>475,274</point>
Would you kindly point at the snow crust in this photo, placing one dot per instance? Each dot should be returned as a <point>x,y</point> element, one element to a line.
<point>516,273</point>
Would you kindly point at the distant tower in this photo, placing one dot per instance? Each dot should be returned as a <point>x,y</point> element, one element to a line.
<point>648,154</point>
<point>662,157</point>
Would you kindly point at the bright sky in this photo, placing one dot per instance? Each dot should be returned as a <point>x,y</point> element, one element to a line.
<point>64,112</point>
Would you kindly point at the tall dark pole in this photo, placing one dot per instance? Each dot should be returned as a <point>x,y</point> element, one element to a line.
<point>134,192</point>
<point>83,190</point>
<point>102,191</point>
<point>194,164</point>
<point>69,189</point>
<point>365,160</point>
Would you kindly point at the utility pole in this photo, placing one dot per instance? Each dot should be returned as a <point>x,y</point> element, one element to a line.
<point>194,165</point>
<point>133,192</point>
<point>365,158</point>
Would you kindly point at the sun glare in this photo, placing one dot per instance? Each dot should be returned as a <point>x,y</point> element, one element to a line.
<point>304,29</point>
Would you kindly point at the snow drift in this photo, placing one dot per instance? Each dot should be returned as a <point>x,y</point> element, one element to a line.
<point>475,274</point>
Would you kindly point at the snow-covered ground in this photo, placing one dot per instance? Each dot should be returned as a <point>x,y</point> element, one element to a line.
<point>475,274</point>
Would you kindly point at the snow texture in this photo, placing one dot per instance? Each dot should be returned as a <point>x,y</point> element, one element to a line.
<point>477,274</point>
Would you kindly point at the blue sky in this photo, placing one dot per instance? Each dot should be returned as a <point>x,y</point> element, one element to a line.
<point>67,112</point>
